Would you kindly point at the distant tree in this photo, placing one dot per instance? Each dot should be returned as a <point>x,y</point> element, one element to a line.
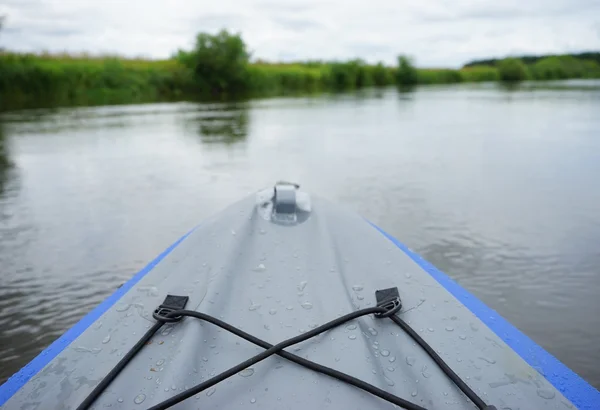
<point>407,73</point>
<point>529,59</point>
<point>382,75</point>
<point>220,62</point>
<point>512,70</point>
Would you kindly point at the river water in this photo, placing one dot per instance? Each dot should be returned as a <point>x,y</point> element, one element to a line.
<point>500,189</point>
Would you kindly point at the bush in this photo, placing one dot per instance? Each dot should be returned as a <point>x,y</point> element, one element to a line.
<point>219,62</point>
<point>406,75</point>
<point>480,73</point>
<point>561,67</point>
<point>512,70</point>
<point>343,75</point>
<point>438,76</point>
<point>382,75</point>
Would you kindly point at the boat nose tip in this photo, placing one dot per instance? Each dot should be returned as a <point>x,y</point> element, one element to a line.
<point>284,204</point>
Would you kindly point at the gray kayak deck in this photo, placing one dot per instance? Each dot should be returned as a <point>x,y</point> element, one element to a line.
<point>276,281</point>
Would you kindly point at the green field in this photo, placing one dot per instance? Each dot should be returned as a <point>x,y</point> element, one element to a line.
<point>219,67</point>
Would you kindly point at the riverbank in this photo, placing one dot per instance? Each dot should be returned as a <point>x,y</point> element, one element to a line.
<point>44,80</point>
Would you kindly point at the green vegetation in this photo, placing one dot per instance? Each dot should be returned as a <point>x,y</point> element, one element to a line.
<point>219,67</point>
<point>219,63</point>
<point>407,74</point>
<point>553,67</point>
<point>557,68</point>
<point>512,70</point>
<point>587,56</point>
<point>28,80</point>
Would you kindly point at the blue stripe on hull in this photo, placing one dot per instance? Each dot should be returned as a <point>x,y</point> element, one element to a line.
<point>569,383</point>
<point>19,379</point>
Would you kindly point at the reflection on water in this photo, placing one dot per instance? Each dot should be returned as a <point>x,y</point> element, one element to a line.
<point>227,126</point>
<point>497,188</point>
<point>4,158</point>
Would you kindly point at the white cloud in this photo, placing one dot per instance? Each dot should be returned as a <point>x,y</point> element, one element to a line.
<point>437,32</point>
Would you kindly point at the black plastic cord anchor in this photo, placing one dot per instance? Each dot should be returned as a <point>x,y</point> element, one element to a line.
<point>170,305</point>
<point>390,299</point>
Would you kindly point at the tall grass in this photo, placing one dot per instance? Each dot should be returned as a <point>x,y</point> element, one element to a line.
<point>219,67</point>
<point>28,80</point>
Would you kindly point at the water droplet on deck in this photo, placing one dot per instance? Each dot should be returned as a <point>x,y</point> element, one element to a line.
<point>487,360</point>
<point>306,305</point>
<point>474,326</point>
<point>351,327</point>
<point>337,359</point>
<point>385,353</point>
<point>252,400</point>
<point>425,373</point>
<point>106,339</point>
<point>389,381</point>
<point>413,393</point>
<point>204,359</point>
<point>267,327</point>
<point>372,331</point>
<point>272,311</point>
<point>233,232</point>
<point>139,398</point>
<point>391,369</point>
<point>408,275</point>
<point>392,359</point>
<point>262,231</point>
<point>290,307</point>
<point>357,288</point>
<point>546,393</point>
<point>360,297</point>
<point>352,337</point>
<point>247,372</point>
<point>462,337</point>
<point>410,360</point>
<point>449,328</point>
<point>211,391</point>
<point>302,285</point>
<point>120,400</point>
<point>167,330</point>
<point>374,346</point>
<point>260,268</point>
<point>430,329</point>
<point>254,306</point>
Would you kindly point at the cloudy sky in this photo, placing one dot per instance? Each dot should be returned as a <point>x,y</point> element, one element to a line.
<point>435,32</point>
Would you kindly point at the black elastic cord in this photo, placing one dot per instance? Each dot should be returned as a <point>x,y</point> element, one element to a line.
<point>446,369</point>
<point>278,349</point>
<point>117,369</point>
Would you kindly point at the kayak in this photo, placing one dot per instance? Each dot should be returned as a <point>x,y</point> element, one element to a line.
<point>286,301</point>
